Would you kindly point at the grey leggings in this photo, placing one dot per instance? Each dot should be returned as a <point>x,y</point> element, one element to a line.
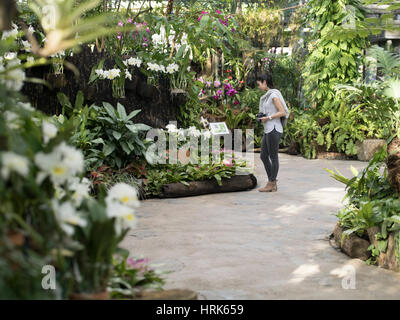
<point>269,153</point>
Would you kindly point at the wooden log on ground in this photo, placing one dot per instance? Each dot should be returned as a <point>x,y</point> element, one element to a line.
<point>353,245</point>
<point>195,188</point>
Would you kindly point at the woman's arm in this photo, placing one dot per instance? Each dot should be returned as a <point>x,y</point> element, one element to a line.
<point>281,110</point>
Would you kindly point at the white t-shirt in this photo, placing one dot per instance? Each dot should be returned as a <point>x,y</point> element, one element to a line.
<point>268,107</point>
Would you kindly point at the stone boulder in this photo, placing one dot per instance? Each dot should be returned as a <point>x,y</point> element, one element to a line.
<point>368,147</point>
<point>387,259</point>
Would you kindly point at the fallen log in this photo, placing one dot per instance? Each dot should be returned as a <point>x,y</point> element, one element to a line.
<point>353,245</point>
<point>195,188</point>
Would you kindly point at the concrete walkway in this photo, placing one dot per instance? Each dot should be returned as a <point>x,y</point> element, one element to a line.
<point>252,245</point>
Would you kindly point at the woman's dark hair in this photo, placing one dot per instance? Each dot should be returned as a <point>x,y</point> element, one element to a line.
<point>265,77</point>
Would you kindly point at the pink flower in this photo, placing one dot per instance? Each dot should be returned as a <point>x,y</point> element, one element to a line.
<point>137,263</point>
<point>119,36</point>
<point>120,24</point>
<point>227,163</point>
<point>218,11</point>
<point>130,20</point>
<point>147,30</point>
<point>145,44</point>
<point>217,83</point>
<point>236,103</point>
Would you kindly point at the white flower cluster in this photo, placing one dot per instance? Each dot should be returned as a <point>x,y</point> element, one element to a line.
<point>12,162</point>
<point>59,55</point>
<point>133,62</point>
<point>63,163</point>
<point>67,216</point>
<point>155,67</point>
<point>112,74</point>
<point>27,45</point>
<point>121,202</point>
<point>190,132</point>
<point>171,68</point>
<point>161,42</point>
<point>13,78</point>
<point>108,74</point>
<point>10,33</point>
<point>49,131</point>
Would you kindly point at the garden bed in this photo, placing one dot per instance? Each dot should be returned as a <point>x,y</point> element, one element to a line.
<point>195,188</point>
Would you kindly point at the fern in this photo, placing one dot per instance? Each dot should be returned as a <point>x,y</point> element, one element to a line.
<point>387,62</point>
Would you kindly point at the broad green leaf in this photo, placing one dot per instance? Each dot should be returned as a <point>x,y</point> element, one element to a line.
<point>108,149</point>
<point>98,140</point>
<point>79,100</point>
<point>132,114</point>
<point>121,111</point>
<point>64,101</point>
<point>116,135</point>
<point>110,110</point>
<point>125,147</point>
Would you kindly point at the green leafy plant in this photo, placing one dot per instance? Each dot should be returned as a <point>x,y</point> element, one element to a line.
<point>335,49</point>
<point>108,136</point>
<point>371,200</point>
<point>131,276</point>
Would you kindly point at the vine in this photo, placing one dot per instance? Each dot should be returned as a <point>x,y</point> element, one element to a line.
<point>336,48</point>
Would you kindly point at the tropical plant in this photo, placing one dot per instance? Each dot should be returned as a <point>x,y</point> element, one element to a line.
<point>108,136</point>
<point>131,276</point>
<point>371,199</point>
<point>336,48</point>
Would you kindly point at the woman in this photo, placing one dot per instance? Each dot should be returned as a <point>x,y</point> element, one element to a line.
<point>273,105</point>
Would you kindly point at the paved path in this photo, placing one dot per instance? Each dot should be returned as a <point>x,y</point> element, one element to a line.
<point>252,245</point>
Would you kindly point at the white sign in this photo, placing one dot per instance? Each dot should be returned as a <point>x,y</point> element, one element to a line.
<point>219,128</point>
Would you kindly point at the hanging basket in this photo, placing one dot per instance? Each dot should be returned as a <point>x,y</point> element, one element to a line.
<point>56,80</point>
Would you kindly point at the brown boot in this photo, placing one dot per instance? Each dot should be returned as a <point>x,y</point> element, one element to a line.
<point>270,187</point>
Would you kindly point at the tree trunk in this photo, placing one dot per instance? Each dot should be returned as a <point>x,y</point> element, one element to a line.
<point>393,164</point>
